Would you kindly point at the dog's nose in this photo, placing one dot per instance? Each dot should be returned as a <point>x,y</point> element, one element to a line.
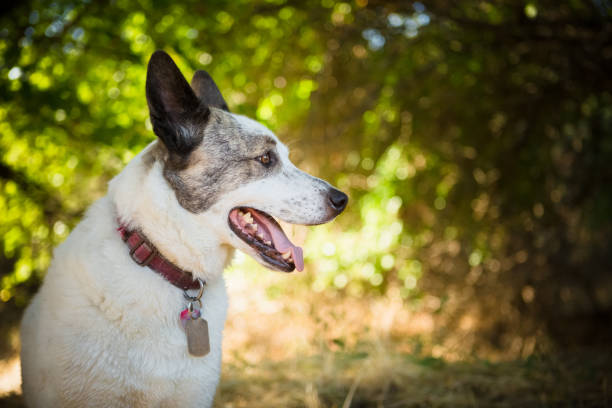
<point>337,200</point>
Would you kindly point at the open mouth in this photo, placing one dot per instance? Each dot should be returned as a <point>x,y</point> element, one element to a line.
<point>262,233</point>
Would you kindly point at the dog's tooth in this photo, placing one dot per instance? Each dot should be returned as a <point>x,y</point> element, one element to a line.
<point>248,218</point>
<point>286,255</point>
<point>268,242</point>
<point>260,234</point>
<point>254,226</point>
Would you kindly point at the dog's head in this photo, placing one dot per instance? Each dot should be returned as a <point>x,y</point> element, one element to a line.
<point>230,172</point>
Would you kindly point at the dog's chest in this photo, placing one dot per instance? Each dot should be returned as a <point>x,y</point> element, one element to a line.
<point>145,355</point>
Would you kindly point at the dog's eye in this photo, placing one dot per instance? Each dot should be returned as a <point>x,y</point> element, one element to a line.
<point>266,159</point>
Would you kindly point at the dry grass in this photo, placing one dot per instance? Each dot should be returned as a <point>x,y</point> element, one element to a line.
<point>286,346</point>
<point>382,378</point>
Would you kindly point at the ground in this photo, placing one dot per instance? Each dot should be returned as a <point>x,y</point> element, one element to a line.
<point>380,379</point>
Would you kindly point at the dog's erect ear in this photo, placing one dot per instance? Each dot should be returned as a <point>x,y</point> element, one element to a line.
<point>175,110</point>
<point>208,92</point>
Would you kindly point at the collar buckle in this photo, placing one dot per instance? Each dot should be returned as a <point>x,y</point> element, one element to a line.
<point>144,253</point>
<point>140,261</point>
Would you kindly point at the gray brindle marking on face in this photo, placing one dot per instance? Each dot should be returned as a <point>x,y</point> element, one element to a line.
<point>224,160</point>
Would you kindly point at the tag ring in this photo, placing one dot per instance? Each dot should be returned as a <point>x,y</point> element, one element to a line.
<point>198,296</point>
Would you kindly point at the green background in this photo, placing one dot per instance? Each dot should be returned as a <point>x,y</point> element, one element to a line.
<point>474,139</point>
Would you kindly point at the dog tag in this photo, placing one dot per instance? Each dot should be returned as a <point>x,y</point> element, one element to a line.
<point>196,327</point>
<point>198,343</point>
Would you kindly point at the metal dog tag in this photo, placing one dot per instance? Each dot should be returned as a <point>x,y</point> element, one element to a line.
<point>196,328</point>
<point>198,343</point>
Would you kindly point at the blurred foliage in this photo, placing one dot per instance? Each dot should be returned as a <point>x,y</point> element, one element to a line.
<point>473,137</point>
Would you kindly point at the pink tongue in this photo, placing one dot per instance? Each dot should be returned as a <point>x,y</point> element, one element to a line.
<point>281,242</point>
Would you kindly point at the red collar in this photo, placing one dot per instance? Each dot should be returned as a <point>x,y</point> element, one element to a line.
<point>144,253</point>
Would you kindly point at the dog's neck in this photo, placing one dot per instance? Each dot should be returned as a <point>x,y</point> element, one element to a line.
<point>144,201</point>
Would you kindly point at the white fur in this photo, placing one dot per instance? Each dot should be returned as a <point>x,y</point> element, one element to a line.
<point>103,331</point>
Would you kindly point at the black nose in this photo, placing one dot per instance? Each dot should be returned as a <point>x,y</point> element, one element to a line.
<point>337,200</point>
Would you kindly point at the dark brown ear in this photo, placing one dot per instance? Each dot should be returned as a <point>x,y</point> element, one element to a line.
<point>176,112</point>
<point>207,91</point>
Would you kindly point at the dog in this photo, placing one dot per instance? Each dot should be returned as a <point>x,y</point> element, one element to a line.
<point>132,308</point>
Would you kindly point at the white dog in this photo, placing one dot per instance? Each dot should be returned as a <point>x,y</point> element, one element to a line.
<point>111,325</point>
